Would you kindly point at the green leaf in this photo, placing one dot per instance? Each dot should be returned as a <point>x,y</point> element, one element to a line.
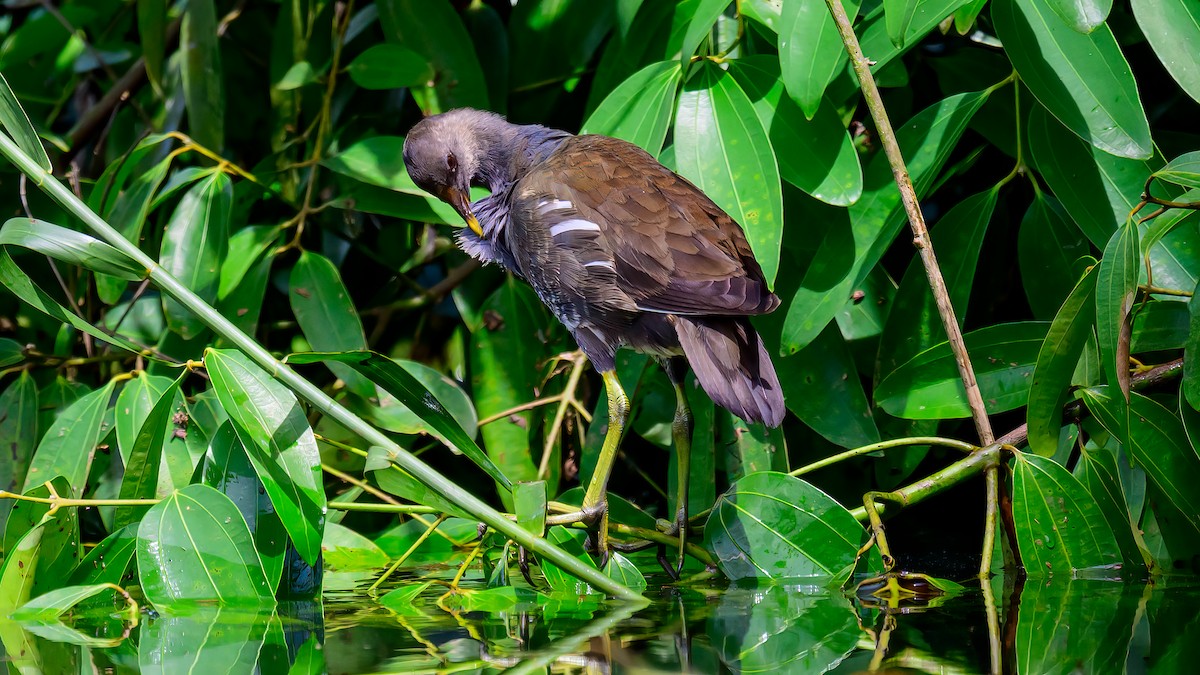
<point>60,548</point>
<point>1048,247</point>
<point>844,257</point>
<point>393,415</point>
<point>327,316</point>
<point>723,148</point>
<point>773,526</point>
<point>639,109</point>
<point>193,547</point>
<point>1083,79</point>
<point>389,66</point>
<point>379,161</point>
<point>817,154</point>
<point>898,16</point>
<point>1157,444</point>
<point>929,386</point>
<point>69,444</point>
<point>203,76</point>
<point>553,42</point>
<point>571,541</point>
<point>914,324</point>
<point>14,121</point>
<point>703,18</point>
<point>398,382</point>
<point>152,29</point>
<point>300,74</point>
<point>49,606</point>
<point>1160,326</point>
<point>822,387</point>
<point>69,246</point>
<point>18,568</point>
<point>1056,362</point>
<point>107,562</point>
<point>1081,15</point>
<point>435,31</point>
<point>141,477</point>
<point>129,214</point>
<point>345,550</point>
<point>750,448</point>
<point>1059,528</point>
<point>246,248</point>
<point>1169,25</point>
<point>194,246</point>
<point>1183,170</point>
<point>965,16</point>
<point>199,637</point>
<point>875,41</point>
<point>272,427</point>
<point>774,628</point>
<point>1191,355</point>
<point>401,599</point>
<point>624,572</point>
<point>529,500</point>
<point>1076,625</point>
<point>1116,286</point>
<point>811,53</point>
<point>1097,472</point>
<point>18,437</point>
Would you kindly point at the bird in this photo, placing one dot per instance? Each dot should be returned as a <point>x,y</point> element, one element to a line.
<point>624,252</point>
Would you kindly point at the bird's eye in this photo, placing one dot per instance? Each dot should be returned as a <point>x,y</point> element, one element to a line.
<point>452,163</point>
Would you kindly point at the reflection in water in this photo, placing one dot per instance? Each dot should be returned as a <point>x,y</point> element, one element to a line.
<point>1082,625</point>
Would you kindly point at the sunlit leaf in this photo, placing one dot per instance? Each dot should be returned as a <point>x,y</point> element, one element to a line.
<point>898,16</point>
<point>639,109</point>
<point>560,580</point>
<point>773,526</point>
<point>18,436</point>
<point>345,550</point>
<point>271,425</point>
<point>529,500</point>
<point>389,66</point>
<point>811,53</point>
<point>16,124</point>
<point>435,31</point>
<point>327,315</point>
<point>219,639</point>
<point>49,606</point>
<point>782,628</point>
<point>1056,362</point>
<point>194,547</point>
<point>624,572</point>
<point>194,246</point>
<point>1082,15</point>
<point>141,477</point>
<point>1183,170</point>
<point>1083,79</point>
<point>929,385</point>
<point>67,447</point>
<point>1059,528</point>
<point>246,248</point>
<point>152,29</point>
<point>60,548</point>
<point>722,147</point>
<point>703,18</point>
<point>69,246</point>
<point>108,561</point>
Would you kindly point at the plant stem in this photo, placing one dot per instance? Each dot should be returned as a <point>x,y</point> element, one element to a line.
<point>306,390</point>
<point>407,554</point>
<point>952,475</point>
<point>884,445</point>
<point>565,399</point>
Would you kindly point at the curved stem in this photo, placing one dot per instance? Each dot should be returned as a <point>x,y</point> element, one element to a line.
<point>884,445</point>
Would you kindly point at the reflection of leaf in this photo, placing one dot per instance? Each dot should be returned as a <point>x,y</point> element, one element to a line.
<point>773,526</point>
<point>1074,626</point>
<point>783,629</point>
<point>206,639</point>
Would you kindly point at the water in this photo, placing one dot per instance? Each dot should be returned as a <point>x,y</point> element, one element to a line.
<point>1085,626</point>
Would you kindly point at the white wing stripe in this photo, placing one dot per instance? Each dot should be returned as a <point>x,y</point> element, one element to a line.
<point>573,225</point>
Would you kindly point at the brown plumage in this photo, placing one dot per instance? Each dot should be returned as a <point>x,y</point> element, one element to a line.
<point>625,252</point>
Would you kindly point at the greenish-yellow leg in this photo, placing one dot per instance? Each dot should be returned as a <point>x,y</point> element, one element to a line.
<point>595,501</point>
<point>681,430</point>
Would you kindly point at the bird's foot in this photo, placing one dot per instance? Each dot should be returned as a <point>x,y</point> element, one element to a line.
<point>679,528</point>
<point>595,516</point>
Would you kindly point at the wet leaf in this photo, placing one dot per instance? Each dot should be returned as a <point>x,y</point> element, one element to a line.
<point>624,572</point>
<point>1167,24</point>
<point>928,386</point>
<point>271,424</point>
<point>1060,529</point>
<point>60,548</point>
<point>49,606</point>
<point>560,580</point>
<point>222,639</point>
<point>1056,363</point>
<point>783,629</point>
<point>194,246</point>
<point>141,478</point>
<point>194,547</point>
<point>108,561</point>
<point>1079,625</point>
<point>773,526</point>
<point>722,147</point>
<point>1082,15</point>
<point>17,570</point>
<point>401,599</point>
<point>345,550</point>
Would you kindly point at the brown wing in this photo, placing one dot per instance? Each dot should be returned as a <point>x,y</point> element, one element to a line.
<point>672,249</point>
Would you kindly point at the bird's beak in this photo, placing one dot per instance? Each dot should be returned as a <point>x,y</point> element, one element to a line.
<point>460,200</point>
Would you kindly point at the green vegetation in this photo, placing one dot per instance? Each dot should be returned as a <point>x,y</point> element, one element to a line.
<point>198,193</point>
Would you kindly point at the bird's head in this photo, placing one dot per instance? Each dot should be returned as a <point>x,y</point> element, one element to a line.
<point>443,156</point>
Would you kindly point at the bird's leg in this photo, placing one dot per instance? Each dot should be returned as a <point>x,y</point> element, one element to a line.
<point>681,431</point>
<point>595,500</point>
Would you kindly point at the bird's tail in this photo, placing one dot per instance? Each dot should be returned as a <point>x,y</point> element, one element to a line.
<point>732,366</point>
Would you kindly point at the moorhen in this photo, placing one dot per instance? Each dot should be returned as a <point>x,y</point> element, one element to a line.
<point>624,251</point>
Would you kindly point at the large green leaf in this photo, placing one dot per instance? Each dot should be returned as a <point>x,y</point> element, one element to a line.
<point>1170,26</point>
<point>389,66</point>
<point>50,606</point>
<point>17,570</point>
<point>60,545</point>
<point>107,562</point>
<point>69,246</point>
<point>722,147</point>
<point>393,415</point>
<point>914,324</point>
<point>1157,444</point>
<point>749,448</point>
<point>898,16</point>
<point>554,41</point>
<point>141,477</point>
<point>1083,79</point>
<point>1048,247</point>
<point>1183,170</point>
<point>68,446</point>
<point>203,76</point>
<point>152,29</point>
<point>327,315</point>
<point>379,161</point>
<point>220,639</point>
<point>435,31</point>
<point>193,547</point>
<point>393,378</point>
<point>703,18</point>
<point>1098,473</point>
<point>346,550</point>
<point>639,109</point>
<point>1116,286</point>
<point>561,581</point>
<point>15,122</point>
<point>1059,528</point>
<point>194,246</point>
<point>773,526</point>
<point>844,258</point>
<point>929,386</point>
<point>1056,362</point>
<point>129,213</point>
<point>18,436</point>
<point>1082,15</point>
<point>817,154</point>
<point>811,53</point>
<point>822,387</point>
<point>247,247</point>
<point>271,425</point>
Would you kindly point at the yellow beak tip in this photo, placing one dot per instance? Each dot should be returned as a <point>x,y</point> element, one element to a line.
<point>473,223</point>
